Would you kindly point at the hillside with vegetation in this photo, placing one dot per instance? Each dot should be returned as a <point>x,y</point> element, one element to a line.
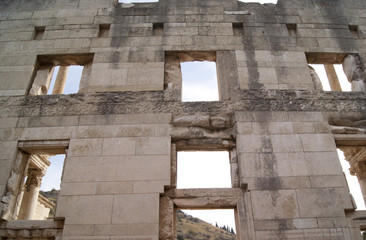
<point>52,196</point>
<point>189,227</point>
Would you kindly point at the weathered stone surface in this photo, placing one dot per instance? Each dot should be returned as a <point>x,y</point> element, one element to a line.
<point>122,130</point>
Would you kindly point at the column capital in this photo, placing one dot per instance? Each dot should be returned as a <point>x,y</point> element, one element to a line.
<point>356,156</point>
<point>34,178</point>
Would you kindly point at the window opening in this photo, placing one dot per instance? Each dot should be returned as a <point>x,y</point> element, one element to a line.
<point>339,68</point>
<point>69,80</point>
<point>60,74</point>
<point>158,29</point>
<point>39,32</point>
<point>51,182</point>
<point>206,224</point>
<point>352,180</point>
<point>203,169</point>
<point>338,80</point>
<point>38,196</point>
<point>199,81</point>
<point>354,31</point>
<point>292,30</point>
<point>34,159</point>
<point>238,29</point>
<point>104,30</point>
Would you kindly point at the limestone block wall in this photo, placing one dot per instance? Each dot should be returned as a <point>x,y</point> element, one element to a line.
<point>121,131</point>
<point>269,41</point>
<point>290,163</point>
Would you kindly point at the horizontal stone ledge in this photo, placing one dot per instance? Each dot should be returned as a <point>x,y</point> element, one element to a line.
<point>350,139</point>
<point>32,224</point>
<point>237,12</point>
<point>44,147</point>
<point>204,192</point>
<point>358,216</point>
<point>223,198</point>
<point>207,203</point>
<point>213,198</point>
<point>153,102</point>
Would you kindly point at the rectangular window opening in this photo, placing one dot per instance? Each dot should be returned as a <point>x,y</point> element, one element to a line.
<point>158,29</point>
<point>337,71</point>
<point>39,32</point>
<point>104,30</point>
<point>37,198</point>
<point>238,29</point>
<point>354,30</point>
<point>203,169</point>
<point>199,81</point>
<point>332,77</point>
<point>292,30</point>
<point>351,178</point>
<point>66,82</point>
<point>35,179</point>
<point>206,224</point>
<point>60,73</point>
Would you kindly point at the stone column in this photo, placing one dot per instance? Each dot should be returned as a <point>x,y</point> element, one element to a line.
<point>332,77</point>
<point>356,156</point>
<point>32,186</point>
<point>60,80</point>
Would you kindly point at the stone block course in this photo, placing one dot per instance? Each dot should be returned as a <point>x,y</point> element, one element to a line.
<point>320,163</point>
<point>78,229</point>
<point>283,204</point>
<point>319,203</point>
<point>317,142</point>
<point>84,210</point>
<point>125,123</point>
<point>118,146</point>
<point>85,147</point>
<point>127,209</point>
<point>110,230</point>
<point>77,188</point>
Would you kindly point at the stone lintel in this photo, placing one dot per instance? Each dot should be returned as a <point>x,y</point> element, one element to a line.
<point>205,198</point>
<point>32,224</point>
<point>215,144</point>
<point>44,147</point>
<point>350,139</point>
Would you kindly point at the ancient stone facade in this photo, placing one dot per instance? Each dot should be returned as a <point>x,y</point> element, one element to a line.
<point>122,130</point>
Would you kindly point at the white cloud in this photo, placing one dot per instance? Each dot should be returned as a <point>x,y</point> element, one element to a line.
<point>203,169</point>
<point>199,81</point>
